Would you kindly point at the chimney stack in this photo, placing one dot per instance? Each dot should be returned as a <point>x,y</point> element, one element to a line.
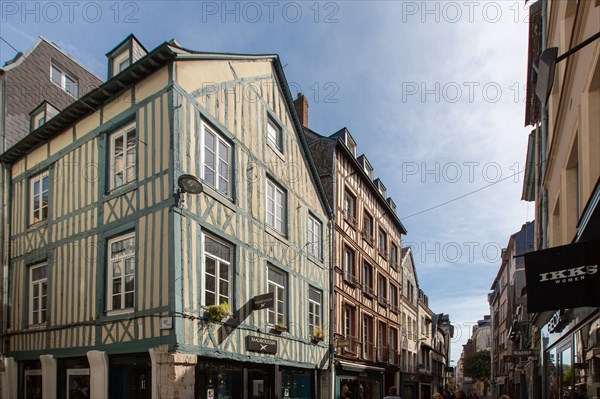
<point>301,105</point>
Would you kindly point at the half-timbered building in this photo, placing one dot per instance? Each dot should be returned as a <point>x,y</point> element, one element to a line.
<point>367,267</point>
<point>149,219</point>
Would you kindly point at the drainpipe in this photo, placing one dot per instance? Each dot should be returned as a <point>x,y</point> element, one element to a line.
<point>331,307</point>
<point>6,231</point>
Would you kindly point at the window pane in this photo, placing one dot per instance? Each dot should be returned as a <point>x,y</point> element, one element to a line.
<point>55,74</point>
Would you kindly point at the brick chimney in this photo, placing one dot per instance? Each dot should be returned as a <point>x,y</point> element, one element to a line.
<point>301,104</point>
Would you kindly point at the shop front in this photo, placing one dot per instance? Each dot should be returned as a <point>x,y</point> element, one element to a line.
<point>571,354</point>
<point>409,386</point>
<point>358,381</point>
<point>229,379</point>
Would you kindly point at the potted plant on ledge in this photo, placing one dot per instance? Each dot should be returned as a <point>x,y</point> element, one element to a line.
<point>218,312</point>
<point>279,327</point>
<point>317,334</point>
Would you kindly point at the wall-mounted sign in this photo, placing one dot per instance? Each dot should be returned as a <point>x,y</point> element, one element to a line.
<point>563,277</point>
<point>264,301</point>
<point>558,322</point>
<point>262,345</point>
<point>508,359</point>
<point>343,343</point>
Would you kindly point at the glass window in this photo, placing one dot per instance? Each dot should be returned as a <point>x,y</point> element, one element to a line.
<point>38,294</point>
<point>382,242</point>
<point>315,232</point>
<point>277,283</point>
<point>349,207</point>
<point>348,263</point>
<point>276,206</point>
<point>217,271</point>
<point>38,195</point>
<point>274,135</point>
<point>66,82</point>
<point>121,272</point>
<point>348,327</point>
<point>367,337</point>
<point>368,227</point>
<point>314,309</point>
<point>217,161</point>
<point>123,157</point>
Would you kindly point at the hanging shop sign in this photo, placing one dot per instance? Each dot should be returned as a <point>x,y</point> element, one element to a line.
<point>563,277</point>
<point>264,301</point>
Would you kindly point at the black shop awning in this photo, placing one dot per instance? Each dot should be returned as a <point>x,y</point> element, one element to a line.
<point>563,277</point>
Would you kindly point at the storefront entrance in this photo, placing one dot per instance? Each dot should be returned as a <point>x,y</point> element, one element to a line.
<point>260,383</point>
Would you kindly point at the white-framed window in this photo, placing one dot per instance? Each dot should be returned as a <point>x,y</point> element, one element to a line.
<point>368,227</point>
<point>276,207</point>
<point>121,273</point>
<point>217,161</point>
<point>78,383</point>
<point>349,207</point>
<point>394,297</point>
<point>382,241</point>
<point>277,283</point>
<point>123,156</point>
<point>315,232</point>
<point>121,62</point>
<point>38,294</point>
<point>38,120</point>
<point>274,134</point>
<point>218,272</point>
<point>382,288</point>
<point>38,195</point>
<point>367,336</point>
<point>393,341</point>
<point>394,256</point>
<point>315,301</point>
<point>348,320</point>
<point>64,80</point>
<point>349,272</point>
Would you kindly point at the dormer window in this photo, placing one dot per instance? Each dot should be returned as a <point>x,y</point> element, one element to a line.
<point>350,143</point>
<point>121,62</point>
<point>366,165</point>
<point>380,187</point>
<point>43,112</point>
<point>124,54</point>
<point>64,80</point>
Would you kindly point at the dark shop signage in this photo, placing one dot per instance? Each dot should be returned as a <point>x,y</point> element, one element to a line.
<point>262,345</point>
<point>563,277</point>
<point>265,301</point>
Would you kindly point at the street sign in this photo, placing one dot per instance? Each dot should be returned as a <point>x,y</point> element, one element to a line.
<point>264,301</point>
<point>343,343</point>
<point>262,345</point>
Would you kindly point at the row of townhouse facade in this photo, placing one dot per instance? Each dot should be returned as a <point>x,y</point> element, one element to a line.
<point>177,231</point>
<point>563,163</point>
<point>545,323</point>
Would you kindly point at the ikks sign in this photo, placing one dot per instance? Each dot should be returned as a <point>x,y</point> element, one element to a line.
<point>563,277</point>
<point>262,345</point>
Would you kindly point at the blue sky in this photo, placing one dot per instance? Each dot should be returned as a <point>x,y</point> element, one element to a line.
<point>433,93</point>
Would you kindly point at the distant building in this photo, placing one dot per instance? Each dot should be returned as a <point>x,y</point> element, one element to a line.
<point>36,86</point>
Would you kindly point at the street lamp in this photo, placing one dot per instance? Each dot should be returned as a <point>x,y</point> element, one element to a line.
<point>187,184</point>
